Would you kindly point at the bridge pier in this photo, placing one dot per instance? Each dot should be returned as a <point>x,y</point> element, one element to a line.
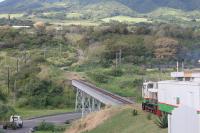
<point>86,103</point>
<point>89,98</point>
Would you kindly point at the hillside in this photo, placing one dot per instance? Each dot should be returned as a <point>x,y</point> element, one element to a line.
<point>120,121</point>
<point>73,5</point>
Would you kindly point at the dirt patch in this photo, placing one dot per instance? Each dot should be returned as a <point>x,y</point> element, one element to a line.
<point>72,75</point>
<point>81,57</point>
<point>93,120</point>
<point>44,73</point>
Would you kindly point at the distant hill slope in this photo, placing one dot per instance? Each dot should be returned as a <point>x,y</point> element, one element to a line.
<point>68,5</point>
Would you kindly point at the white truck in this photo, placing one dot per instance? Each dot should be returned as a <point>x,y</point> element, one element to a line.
<point>14,123</point>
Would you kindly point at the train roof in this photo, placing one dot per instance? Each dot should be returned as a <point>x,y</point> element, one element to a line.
<point>175,82</point>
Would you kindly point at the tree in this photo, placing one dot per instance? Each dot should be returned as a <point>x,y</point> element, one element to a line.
<point>40,27</point>
<point>166,48</point>
<point>6,112</point>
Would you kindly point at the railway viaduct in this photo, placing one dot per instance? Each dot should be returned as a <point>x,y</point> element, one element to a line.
<point>89,98</point>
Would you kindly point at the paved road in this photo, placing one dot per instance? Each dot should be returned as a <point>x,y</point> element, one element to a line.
<point>57,119</point>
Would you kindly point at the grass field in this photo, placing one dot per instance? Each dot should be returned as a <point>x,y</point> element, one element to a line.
<point>126,19</point>
<point>74,15</point>
<point>29,113</point>
<point>129,83</point>
<point>77,22</point>
<point>11,15</point>
<point>125,122</point>
<point>69,22</point>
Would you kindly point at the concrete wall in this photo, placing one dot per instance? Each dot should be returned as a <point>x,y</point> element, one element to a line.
<point>184,120</point>
<point>187,93</point>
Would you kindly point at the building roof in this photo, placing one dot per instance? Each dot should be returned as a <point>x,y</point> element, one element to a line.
<point>186,74</point>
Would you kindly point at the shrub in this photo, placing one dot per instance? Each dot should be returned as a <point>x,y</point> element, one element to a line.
<point>162,121</point>
<point>117,72</point>
<point>22,102</point>
<point>39,60</point>
<point>38,102</point>
<point>99,77</point>
<point>43,94</point>
<point>6,112</point>
<point>60,128</point>
<point>56,101</point>
<point>44,126</point>
<point>149,116</point>
<point>138,70</point>
<point>135,112</point>
<point>3,96</point>
<point>137,82</point>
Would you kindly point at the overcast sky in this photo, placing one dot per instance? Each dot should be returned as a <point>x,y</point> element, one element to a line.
<point>1,0</point>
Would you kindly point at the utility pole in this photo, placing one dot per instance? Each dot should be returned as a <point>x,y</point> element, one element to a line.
<point>177,66</point>
<point>14,92</point>
<point>17,64</point>
<point>120,57</point>
<point>9,19</point>
<point>25,57</point>
<point>44,54</point>
<point>59,31</point>
<point>183,65</point>
<point>116,60</point>
<point>8,78</point>
<point>60,50</point>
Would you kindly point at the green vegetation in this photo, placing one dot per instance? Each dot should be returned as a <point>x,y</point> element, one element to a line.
<point>44,126</point>
<point>125,122</point>
<point>49,127</point>
<point>126,19</point>
<point>106,43</point>
<point>162,121</point>
<point>127,82</point>
<point>135,112</point>
<point>37,64</point>
<point>31,112</point>
<point>6,112</point>
<point>18,15</point>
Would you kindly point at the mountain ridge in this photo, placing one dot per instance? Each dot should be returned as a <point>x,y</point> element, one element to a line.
<point>141,6</point>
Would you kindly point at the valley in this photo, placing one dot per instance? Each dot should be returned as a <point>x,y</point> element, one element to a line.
<point>114,45</point>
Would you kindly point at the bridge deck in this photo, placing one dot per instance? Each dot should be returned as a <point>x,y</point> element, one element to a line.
<point>101,95</point>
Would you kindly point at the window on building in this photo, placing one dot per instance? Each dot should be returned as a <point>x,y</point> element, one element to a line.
<point>177,100</point>
<point>150,86</point>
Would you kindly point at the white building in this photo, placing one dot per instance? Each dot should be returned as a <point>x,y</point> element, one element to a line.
<point>20,27</point>
<point>180,98</point>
